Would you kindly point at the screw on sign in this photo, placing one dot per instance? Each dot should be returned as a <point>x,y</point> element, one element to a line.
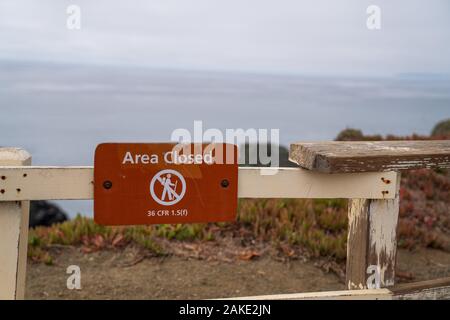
<point>139,183</point>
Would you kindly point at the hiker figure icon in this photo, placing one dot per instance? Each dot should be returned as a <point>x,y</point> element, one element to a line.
<point>169,188</point>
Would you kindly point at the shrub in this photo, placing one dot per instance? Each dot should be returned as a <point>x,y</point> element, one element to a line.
<point>350,134</point>
<point>442,128</point>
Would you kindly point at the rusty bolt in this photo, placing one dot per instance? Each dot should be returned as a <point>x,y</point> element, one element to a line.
<point>385,192</point>
<point>2,191</point>
<point>387,181</point>
<point>3,178</point>
<point>107,184</point>
<point>224,183</point>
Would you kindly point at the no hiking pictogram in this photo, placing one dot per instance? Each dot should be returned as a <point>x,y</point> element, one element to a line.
<point>167,187</point>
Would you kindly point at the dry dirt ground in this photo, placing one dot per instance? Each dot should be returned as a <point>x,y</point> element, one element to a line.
<point>118,274</point>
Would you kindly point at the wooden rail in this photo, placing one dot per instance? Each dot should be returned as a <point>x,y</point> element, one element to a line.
<point>362,172</point>
<point>372,234</point>
<point>77,183</point>
<point>14,217</point>
<point>438,289</point>
<point>371,156</point>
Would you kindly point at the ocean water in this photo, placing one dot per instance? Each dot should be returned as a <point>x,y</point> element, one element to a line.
<point>59,113</point>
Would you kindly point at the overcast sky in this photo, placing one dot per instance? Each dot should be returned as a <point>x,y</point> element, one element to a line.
<point>288,36</point>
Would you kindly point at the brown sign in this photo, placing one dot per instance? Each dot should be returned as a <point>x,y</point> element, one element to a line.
<point>153,183</point>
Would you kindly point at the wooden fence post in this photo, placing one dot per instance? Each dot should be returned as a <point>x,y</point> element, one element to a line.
<point>14,217</point>
<point>372,242</point>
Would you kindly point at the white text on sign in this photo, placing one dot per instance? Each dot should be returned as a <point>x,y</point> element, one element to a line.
<point>172,157</point>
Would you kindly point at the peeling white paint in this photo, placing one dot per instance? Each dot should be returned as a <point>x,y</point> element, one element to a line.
<point>383,224</point>
<point>383,234</point>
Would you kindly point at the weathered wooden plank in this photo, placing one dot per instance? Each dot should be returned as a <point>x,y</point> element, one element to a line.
<point>357,243</point>
<point>14,217</point>
<point>430,289</point>
<point>372,242</point>
<point>359,156</point>
<point>52,183</point>
<point>368,294</point>
<point>47,183</point>
<point>300,183</point>
<point>437,289</point>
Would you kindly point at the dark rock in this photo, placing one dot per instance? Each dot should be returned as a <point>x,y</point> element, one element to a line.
<point>44,213</point>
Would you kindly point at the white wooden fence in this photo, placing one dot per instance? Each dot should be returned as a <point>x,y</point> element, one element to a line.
<point>20,182</point>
